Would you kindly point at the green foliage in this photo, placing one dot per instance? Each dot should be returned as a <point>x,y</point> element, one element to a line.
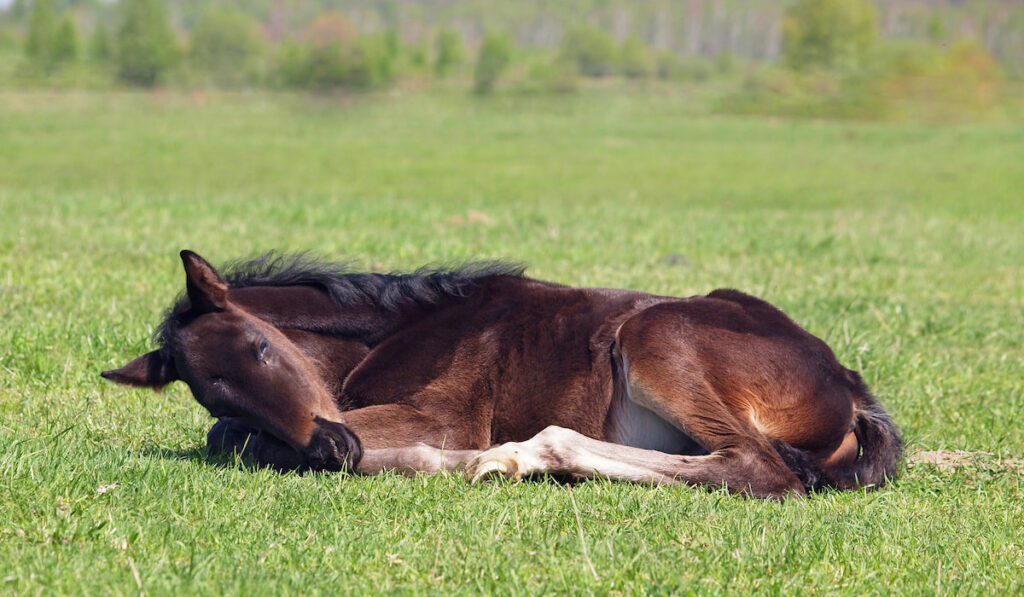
<point>726,63</point>
<point>392,43</point>
<point>373,62</point>
<point>828,33</point>
<point>145,45</point>
<point>903,58</point>
<point>100,45</point>
<point>844,72</point>
<point>450,52</point>
<point>9,42</point>
<point>495,55</point>
<point>936,30</point>
<point>65,42</point>
<point>635,59</point>
<point>896,79</point>
<point>679,68</point>
<point>818,94</point>
<point>592,50</point>
<point>969,56</point>
<point>417,56</point>
<point>224,45</point>
<point>42,25</point>
<point>963,82</point>
<point>363,64</point>
<point>47,44</point>
<point>293,66</point>
<point>554,76</point>
<point>331,55</point>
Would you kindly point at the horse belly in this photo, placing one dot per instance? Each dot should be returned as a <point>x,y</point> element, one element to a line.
<point>638,427</point>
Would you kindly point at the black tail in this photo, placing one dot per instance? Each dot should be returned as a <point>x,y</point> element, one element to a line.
<point>881,448</point>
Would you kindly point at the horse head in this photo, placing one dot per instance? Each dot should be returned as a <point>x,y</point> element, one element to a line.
<point>238,365</point>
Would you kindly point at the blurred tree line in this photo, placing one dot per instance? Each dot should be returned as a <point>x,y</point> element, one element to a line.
<point>839,57</point>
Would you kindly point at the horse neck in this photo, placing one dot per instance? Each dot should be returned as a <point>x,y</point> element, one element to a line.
<point>335,337</point>
<point>309,309</point>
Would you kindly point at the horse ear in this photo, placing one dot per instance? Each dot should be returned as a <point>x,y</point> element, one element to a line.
<point>151,370</point>
<point>207,290</point>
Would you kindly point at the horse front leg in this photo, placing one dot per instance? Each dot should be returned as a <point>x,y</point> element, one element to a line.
<point>233,436</point>
<point>413,460</point>
<point>404,439</point>
<point>394,437</point>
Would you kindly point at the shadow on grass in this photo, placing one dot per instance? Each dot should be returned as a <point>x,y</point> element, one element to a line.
<point>200,455</point>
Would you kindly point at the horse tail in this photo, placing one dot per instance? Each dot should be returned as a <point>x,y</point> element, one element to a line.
<point>881,448</point>
<point>879,451</point>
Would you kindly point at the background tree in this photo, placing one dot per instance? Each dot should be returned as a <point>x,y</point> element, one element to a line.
<point>48,44</point>
<point>828,33</point>
<point>450,52</point>
<point>99,43</point>
<point>592,50</point>
<point>371,63</point>
<point>145,45</point>
<point>42,28</point>
<point>224,45</point>
<point>331,55</point>
<point>495,54</point>
<point>635,59</point>
<point>554,76</point>
<point>64,47</point>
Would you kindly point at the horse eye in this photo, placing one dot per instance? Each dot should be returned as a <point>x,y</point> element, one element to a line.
<point>261,349</point>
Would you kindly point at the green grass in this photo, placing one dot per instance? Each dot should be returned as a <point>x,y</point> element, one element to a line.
<point>901,245</point>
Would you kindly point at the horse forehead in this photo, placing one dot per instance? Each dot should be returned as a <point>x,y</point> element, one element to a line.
<point>220,327</point>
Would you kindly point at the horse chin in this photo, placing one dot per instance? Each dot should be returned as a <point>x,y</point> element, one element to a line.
<point>333,447</point>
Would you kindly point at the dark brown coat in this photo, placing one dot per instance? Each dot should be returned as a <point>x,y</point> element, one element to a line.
<point>327,368</point>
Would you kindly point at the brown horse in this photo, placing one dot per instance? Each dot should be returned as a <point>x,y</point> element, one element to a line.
<point>310,367</point>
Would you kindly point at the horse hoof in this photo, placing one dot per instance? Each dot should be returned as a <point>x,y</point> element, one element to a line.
<point>492,468</point>
<point>512,461</point>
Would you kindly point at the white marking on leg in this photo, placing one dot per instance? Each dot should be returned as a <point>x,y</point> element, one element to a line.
<point>410,460</point>
<point>514,460</point>
<point>563,451</point>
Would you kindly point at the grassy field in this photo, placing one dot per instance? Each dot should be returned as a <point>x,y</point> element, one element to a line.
<point>901,245</point>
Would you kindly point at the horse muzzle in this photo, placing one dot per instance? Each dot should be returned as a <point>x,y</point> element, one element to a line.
<point>332,447</point>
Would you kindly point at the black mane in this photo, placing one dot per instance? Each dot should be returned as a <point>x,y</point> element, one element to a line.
<point>389,292</point>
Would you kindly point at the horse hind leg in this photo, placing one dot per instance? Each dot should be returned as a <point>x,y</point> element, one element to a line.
<point>561,451</point>
<point>741,464</point>
<point>669,384</point>
<point>666,376</point>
